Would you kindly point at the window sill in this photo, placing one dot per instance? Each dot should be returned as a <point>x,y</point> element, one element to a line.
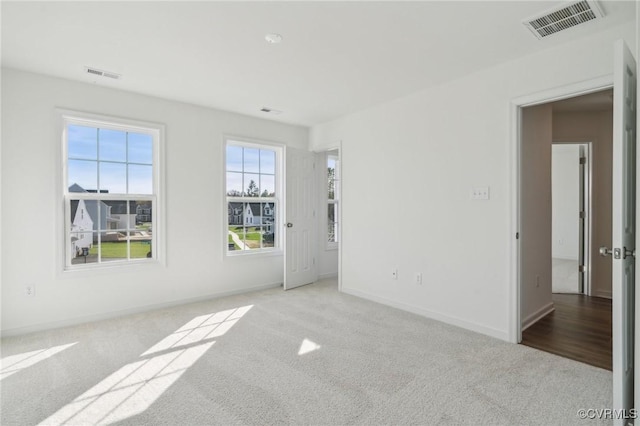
<point>109,268</point>
<point>239,254</point>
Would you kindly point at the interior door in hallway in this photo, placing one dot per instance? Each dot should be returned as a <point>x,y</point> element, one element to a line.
<point>623,229</point>
<point>300,227</point>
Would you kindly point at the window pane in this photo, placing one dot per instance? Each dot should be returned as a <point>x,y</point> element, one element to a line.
<point>116,215</point>
<point>253,237</point>
<point>268,224</point>
<point>83,175</point>
<point>235,213</point>
<point>251,182</point>
<point>140,179</point>
<point>113,145</point>
<point>267,186</point>
<point>82,142</point>
<point>331,184</point>
<point>113,246</point>
<point>331,213</point>
<point>82,251</point>
<point>331,232</point>
<point>234,184</point>
<point>251,160</point>
<point>236,236</point>
<point>140,148</point>
<point>234,158</point>
<point>113,178</point>
<point>142,212</point>
<point>140,246</point>
<point>267,162</point>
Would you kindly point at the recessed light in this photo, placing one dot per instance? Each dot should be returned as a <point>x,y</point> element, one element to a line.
<point>273,38</point>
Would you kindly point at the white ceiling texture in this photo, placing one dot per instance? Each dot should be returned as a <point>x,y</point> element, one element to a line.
<point>334,58</point>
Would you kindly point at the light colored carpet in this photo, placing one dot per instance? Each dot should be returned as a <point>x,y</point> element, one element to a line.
<point>564,276</point>
<point>307,356</point>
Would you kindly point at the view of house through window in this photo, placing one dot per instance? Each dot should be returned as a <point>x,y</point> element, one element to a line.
<point>252,196</point>
<point>109,192</point>
<point>332,198</point>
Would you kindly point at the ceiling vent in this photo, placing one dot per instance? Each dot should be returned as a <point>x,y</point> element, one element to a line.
<point>563,17</point>
<point>101,73</point>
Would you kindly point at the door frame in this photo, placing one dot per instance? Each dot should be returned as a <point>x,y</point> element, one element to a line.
<point>514,148</point>
<point>586,190</point>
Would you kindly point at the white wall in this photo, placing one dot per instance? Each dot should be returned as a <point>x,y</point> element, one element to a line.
<point>423,153</point>
<point>565,201</point>
<point>535,225</point>
<point>195,210</point>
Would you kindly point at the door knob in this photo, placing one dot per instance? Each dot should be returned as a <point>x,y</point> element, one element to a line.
<point>604,251</point>
<point>617,253</point>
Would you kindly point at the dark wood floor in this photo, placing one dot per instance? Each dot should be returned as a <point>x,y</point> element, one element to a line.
<point>579,329</point>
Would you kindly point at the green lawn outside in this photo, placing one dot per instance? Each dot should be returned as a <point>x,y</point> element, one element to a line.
<point>118,250</point>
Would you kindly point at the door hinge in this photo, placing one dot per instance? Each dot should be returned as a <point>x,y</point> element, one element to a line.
<point>582,268</point>
<point>582,215</point>
<point>583,160</point>
<point>517,235</point>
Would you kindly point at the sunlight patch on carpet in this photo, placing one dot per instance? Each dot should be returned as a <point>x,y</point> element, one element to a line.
<point>12,364</point>
<point>136,386</point>
<point>308,346</point>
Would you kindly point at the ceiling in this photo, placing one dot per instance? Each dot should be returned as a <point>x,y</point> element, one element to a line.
<point>335,57</point>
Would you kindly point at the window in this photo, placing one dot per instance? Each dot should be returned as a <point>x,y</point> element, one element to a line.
<point>253,194</point>
<point>333,198</point>
<point>110,192</point>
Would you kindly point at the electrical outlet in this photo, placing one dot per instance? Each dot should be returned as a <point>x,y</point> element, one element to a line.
<point>30,290</point>
<point>480,193</point>
<point>394,274</point>
<point>419,278</point>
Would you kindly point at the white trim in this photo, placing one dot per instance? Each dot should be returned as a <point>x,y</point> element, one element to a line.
<point>603,293</point>
<point>515,116</point>
<point>448,319</point>
<point>278,200</point>
<point>157,131</point>
<point>537,315</point>
<point>328,275</point>
<point>130,311</point>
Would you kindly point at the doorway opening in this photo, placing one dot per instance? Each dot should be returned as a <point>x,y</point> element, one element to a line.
<point>566,202</point>
<point>570,217</point>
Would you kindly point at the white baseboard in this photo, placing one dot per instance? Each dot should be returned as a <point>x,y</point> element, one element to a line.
<point>115,314</point>
<point>489,331</point>
<point>603,293</point>
<point>534,317</point>
<point>328,275</point>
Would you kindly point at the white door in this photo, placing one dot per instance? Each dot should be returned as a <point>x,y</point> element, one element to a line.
<point>624,199</point>
<point>300,219</point>
<point>566,218</point>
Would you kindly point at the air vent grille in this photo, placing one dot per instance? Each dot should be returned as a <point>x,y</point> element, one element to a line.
<point>563,17</point>
<point>101,73</point>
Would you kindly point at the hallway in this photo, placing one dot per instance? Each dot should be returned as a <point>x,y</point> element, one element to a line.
<point>579,329</point>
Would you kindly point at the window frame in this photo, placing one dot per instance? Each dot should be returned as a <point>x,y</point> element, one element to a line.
<point>335,154</point>
<point>99,121</point>
<point>277,201</point>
